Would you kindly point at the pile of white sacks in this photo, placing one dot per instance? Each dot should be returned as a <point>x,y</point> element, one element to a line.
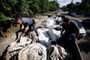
<point>41,48</point>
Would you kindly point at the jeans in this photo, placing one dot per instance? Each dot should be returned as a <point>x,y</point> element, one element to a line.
<point>66,37</point>
<point>72,37</point>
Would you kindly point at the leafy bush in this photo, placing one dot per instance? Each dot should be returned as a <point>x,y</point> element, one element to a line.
<point>3,17</point>
<point>4,22</point>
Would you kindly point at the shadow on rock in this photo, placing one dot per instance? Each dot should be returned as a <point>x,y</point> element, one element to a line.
<point>84,47</point>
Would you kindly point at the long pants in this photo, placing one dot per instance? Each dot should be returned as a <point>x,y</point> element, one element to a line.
<point>65,38</point>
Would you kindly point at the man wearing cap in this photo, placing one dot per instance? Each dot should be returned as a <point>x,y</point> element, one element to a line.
<point>69,29</point>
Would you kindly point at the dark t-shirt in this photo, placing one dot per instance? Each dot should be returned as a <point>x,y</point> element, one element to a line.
<point>70,28</point>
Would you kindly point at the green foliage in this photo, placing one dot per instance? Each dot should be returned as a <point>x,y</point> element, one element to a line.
<point>31,13</point>
<point>3,17</point>
<point>44,5</point>
<point>53,5</point>
<point>71,6</point>
<point>13,2</point>
<point>36,8</point>
<point>83,7</point>
<point>64,8</point>
<point>86,5</point>
<point>24,6</point>
<point>13,8</point>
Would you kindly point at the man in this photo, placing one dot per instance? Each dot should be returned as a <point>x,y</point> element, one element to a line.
<point>69,31</point>
<point>26,25</point>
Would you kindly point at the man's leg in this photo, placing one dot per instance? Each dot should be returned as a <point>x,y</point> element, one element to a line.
<point>63,40</point>
<point>17,33</point>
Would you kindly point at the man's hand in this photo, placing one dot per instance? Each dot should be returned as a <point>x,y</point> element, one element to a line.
<point>26,29</point>
<point>22,27</point>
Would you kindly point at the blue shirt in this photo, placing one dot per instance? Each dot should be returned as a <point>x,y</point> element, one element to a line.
<point>29,21</point>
